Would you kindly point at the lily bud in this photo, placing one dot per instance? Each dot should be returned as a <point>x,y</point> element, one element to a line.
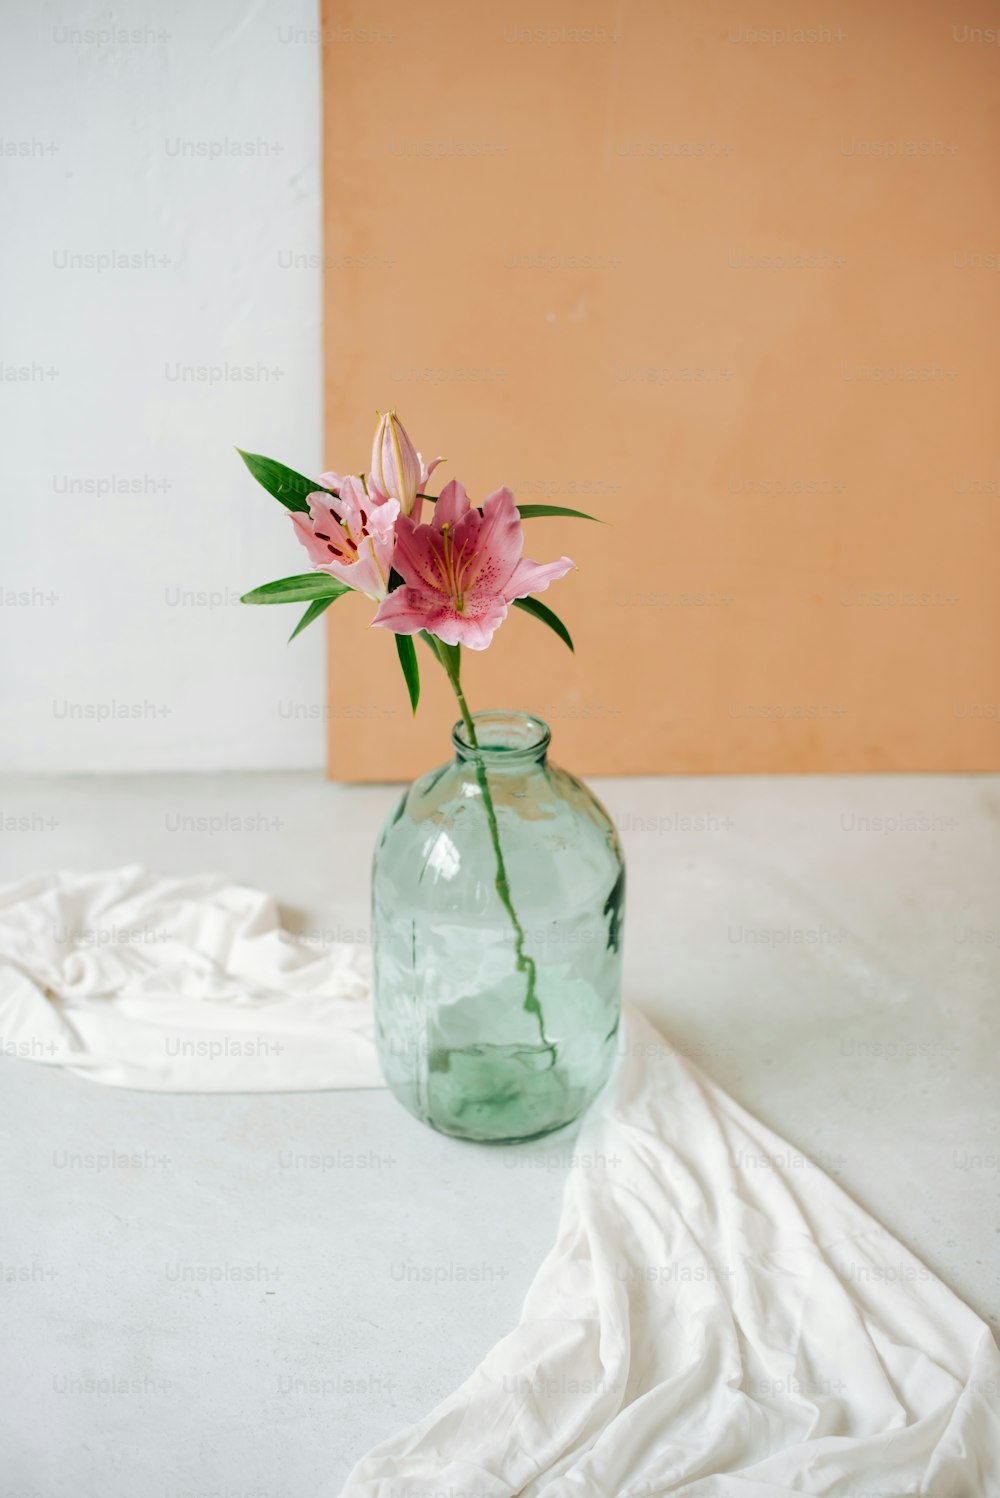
<point>396,467</point>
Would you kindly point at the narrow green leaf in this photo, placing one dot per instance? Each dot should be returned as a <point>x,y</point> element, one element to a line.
<point>451,656</point>
<point>300,589</point>
<point>313,611</point>
<point>407,652</point>
<point>540,611</point>
<point>532,512</point>
<point>448,656</point>
<point>287,486</point>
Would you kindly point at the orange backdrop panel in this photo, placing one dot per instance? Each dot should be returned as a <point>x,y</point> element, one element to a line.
<point>732,288</point>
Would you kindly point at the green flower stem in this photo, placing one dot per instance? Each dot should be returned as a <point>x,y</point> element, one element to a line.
<point>524,963</point>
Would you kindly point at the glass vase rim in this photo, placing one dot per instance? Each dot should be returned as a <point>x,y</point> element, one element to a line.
<point>505,737</point>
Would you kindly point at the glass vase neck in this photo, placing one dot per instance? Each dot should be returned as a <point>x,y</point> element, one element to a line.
<point>505,740</point>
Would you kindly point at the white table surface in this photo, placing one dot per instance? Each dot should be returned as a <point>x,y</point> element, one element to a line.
<point>221,1321</point>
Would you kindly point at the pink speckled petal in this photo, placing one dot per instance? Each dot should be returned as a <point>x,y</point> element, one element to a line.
<point>498,545</point>
<point>419,551</point>
<point>409,610</point>
<point>534,577</point>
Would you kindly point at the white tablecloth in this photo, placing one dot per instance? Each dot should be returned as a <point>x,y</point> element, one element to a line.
<point>716,1318</point>
<point>178,985</point>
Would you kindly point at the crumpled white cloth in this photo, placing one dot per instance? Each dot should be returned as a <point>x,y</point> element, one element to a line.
<point>716,1319</point>
<point>178,985</point>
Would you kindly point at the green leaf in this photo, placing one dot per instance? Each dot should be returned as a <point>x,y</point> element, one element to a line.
<point>532,512</point>
<point>313,611</point>
<point>300,589</point>
<point>448,656</point>
<point>407,652</point>
<point>451,658</point>
<point>285,484</point>
<point>539,611</point>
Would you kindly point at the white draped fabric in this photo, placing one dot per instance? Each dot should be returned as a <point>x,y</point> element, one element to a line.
<point>716,1319</point>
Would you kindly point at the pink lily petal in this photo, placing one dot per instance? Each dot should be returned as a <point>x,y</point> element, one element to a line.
<point>476,623</point>
<point>408,610</point>
<point>498,544</point>
<point>350,504</point>
<point>452,506</point>
<point>420,555</point>
<point>369,574</point>
<point>411,609</point>
<point>318,551</point>
<point>350,536</point>
<point>477,626</point>
<point>482,549</point>
<point>426,469</point>
<point>534,577</point>
<point>331,480</point>
<point>461,571</point>
<point>382,519</point>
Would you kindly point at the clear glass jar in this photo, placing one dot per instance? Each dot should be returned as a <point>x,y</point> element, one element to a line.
<point>497,906</point>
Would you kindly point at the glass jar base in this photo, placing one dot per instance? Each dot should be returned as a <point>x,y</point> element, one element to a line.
<point>494,1094</point>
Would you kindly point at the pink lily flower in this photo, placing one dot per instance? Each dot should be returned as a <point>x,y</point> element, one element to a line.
<point>350,534</point>
<point>461,572</point>
<point>398,471</point>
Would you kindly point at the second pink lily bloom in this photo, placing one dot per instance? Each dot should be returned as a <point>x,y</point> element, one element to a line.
<point>461,572</point>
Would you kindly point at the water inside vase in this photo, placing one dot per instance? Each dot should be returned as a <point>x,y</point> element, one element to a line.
<point>461,1050</point>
